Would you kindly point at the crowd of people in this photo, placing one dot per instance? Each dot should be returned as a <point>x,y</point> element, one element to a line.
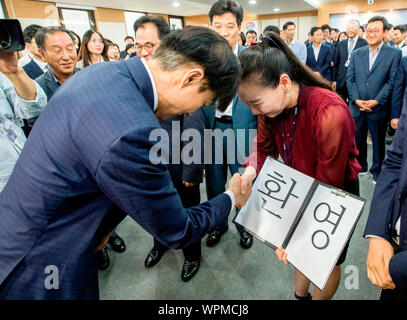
<point>85,165</point>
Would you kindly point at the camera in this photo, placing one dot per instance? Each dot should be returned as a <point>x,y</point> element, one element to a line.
<point>370,2</point>
<point>11,35</point>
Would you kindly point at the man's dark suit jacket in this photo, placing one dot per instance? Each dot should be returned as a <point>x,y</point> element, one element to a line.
<point>89,152</point>
<point>376,84</point>
<point>323,64</point>
<point>390,201</point>
<point>400,83</point>
<point>341,56</point>
<point>48,84</point>
<point>33,70</point>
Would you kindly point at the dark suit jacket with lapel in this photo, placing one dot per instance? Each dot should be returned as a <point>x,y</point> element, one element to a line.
<point>48,84</point>
<point>390,201</point>
<point>341,56</point>
<point>376,84</point>
<point>191,172</point>
<point>33,70</point>
<point>243,119</point>
<point>400,84</point>
<point>323,64</point>
<point>89,152</point>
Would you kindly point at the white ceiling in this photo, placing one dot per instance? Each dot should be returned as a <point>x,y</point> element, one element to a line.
<point>196,7</point>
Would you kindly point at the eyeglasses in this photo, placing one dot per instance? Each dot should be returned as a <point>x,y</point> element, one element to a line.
<point>147,46</point>
<point>372,31</point>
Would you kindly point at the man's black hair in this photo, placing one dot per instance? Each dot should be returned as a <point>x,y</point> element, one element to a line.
<point>287,24</point>
<point>315,29</point>
<point>325,26</point>
<point>401,28</point>
<point>158,21</point>
<point>271,29</point>
<point>30,31</point>
<point>128,37</point>
<point>206,48</point>
<point>251,31</point>
<point>382,19</point>
<point>221,7</point>
<point>42,33</point>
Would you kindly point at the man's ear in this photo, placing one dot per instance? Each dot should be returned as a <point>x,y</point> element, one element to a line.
<point>42,54</point>
<point>193,77</point>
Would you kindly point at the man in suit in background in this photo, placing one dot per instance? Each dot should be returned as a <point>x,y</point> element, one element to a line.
<point>36,66</point>
<point>57,49</point>
<point>127,40</point>
<point>370,81</point>
<point>343,54</point>
<point>388,36</point>
<point>226,18</point>
<point>150,30</point>
<point>319,54</point>
<point>400,84</point>
<point>399,35</point>
<point>386,226</point>
<point>299,48</point>
<point>80,163</point>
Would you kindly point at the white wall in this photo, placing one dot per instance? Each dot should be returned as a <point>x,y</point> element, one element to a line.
<point>265,23</point>
<point>305,25</point>
<point>114,31</point>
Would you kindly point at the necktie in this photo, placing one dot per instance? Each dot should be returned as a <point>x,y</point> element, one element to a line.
<point>351,47</point>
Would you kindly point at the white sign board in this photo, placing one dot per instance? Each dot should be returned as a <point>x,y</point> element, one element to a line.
<point>311,220</point>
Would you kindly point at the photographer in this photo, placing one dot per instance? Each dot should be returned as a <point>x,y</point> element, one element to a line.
<point>20,98</point>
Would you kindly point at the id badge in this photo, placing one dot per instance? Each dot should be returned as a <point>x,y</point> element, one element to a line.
<point>347,63</point>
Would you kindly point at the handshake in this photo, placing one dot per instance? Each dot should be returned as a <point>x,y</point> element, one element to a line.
<point>241,186</point>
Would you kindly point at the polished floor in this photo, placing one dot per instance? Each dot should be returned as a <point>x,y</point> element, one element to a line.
<point>227,271</point>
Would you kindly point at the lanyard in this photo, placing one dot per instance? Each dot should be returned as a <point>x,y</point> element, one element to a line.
<point>287,151</point>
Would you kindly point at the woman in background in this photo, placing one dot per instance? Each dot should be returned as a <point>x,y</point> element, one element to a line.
<point>93,49</point>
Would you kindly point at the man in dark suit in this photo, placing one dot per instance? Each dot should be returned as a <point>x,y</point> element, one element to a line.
<point>91,151</point>
<point>399,35</point>
<point>186,178</point>
<point>343,54</point>
<point>226,17</point>
<point>128,40</point>
<point>386,226</point>
<point>319,55</point>
<point>370,81</point>
<point>400,84</point>
<point>36,66</point>
<point>57,48</point>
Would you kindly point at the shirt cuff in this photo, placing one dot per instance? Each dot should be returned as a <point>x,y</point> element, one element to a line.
<point>232,199</point>
<point>373,236</point>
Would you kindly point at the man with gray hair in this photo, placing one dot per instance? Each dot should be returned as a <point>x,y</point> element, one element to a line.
<point>343,53</point>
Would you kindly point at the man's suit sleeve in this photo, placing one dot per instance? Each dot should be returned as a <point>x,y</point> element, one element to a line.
<point>386,187</point>
<point>385,92</point>
<point>351,80</point>
<point>194,123</point>
<point>398,90</point>
<point>145,192</point>
<point>398,269</point>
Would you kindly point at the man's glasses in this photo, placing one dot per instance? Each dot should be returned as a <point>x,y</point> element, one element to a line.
<point>148,46</point>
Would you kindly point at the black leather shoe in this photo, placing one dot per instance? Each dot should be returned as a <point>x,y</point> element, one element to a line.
<point>117,244</point>
<point>214,237</point>
<point>103,259</point>
<point>153,257</point>
<point>246,240</point>
<point>189,269</point>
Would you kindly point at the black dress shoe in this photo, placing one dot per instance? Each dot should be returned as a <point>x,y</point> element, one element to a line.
<point>153,257</point>
<point>189,269</point>
<point>103,259</point>
<point>117,244</point>
<point>214,237</point>
<point>246,240</point>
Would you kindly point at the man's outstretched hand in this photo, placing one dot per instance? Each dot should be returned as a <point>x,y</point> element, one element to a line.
<point>235,186</point>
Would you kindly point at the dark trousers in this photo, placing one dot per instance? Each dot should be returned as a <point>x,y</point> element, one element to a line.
<point>217,173</point>
<point>343,93</point>
<point>377,129</point>
<point>396,294</point>
<point>190,197</point>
